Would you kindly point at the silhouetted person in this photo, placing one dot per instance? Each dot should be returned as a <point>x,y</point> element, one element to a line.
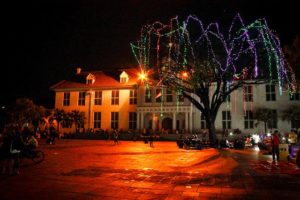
<point>151,138</point>
<point>116,137</point>
<point>275,145</point>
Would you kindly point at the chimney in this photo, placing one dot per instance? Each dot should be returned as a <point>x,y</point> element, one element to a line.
<point>78,70</point>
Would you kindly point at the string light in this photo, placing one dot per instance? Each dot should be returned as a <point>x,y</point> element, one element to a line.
<point>184,50</point>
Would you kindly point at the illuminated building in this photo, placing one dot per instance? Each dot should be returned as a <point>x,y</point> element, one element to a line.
<point>122,100</point>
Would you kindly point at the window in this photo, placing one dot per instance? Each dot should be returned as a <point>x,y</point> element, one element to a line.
<point>272,123</point>
<point>97,119</point>
<point>295,123</point>
<point>98,98</point>
<point>158,95</point>
<point>114,120</point>
<point>270,92</point>
<point>248,93</point>
<point>81,99</point>
<point>115,97</point>
<point>132,120</point>
<point>169,95</point>
<point>180,96</point>
<point>90,81</point>
<point>226,119</point>
<point>148,95</point>
<point>123,80</point>
<point>295,96</point>
<point>203,122</point>
<point>66,101</point>
<point>248,120</point>
<point>133,97</point>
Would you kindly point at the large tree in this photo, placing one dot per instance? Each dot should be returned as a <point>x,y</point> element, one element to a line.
<point>25,111</point>
<point>78,118</point>
<point>205,65</point>
<point>264,115</point>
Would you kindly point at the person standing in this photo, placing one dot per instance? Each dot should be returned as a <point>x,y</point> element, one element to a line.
<point>52,134</point>
<point>17,146</point>
<point>275,146</point>
<point>151,138</point>
<point>116,136</point>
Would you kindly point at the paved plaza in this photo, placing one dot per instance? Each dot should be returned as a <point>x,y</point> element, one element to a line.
<point>94,169</point>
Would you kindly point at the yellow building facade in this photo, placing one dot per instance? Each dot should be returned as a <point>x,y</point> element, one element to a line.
<point>107,101</point>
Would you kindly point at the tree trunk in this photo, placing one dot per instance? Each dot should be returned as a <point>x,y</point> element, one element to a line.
<point>212,131</point>
<point>265,127</point>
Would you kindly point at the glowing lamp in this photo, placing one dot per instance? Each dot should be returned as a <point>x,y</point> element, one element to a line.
<point>142,76</point>
<point>185,75</point>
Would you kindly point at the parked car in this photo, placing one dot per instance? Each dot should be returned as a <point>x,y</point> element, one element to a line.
<point>265,145</point>
<point>192,142</point>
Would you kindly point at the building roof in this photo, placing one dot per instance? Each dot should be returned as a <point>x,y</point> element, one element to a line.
<point>103,80</point>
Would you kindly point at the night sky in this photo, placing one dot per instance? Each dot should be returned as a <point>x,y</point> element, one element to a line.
<point>44,42</point>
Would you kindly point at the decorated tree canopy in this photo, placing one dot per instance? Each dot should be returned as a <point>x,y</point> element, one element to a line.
<point>245,53</point>
<point>206,63</point>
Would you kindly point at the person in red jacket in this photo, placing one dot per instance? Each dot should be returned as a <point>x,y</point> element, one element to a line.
<point>275,145</point>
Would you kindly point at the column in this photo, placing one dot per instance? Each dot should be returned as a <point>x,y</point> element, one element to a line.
<point>160,122</point>
<point>142,120</point>
<point>191,122</point>
<point>138,120</point>
<point>186,125</point>
<point>153,122</point>
<point>174,122</point>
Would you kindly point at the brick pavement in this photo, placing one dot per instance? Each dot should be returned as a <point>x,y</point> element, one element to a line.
<point>82,169</point>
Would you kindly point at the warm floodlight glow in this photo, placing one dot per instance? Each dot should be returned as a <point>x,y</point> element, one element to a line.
<point>142,76</point>
<point>184,75</point>
<point>256,138</point>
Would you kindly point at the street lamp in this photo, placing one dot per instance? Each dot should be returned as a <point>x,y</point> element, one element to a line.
<point>142,76</point>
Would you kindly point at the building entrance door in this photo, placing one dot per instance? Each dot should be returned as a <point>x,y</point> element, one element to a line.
<point>167,124</point>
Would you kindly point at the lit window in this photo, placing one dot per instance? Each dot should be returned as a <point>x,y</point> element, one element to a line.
<point>90,81</point>
<point>248,93</point>
<point>115,97</point>
<point>123,80</point>
<point>133,97</point>
<point>66,101</point>
<point>98,98</point>
<point>270,92</point>
<point>132,120</point>
<point>226,120</point>
<point>97,119</point>
<point>169,95</point>
<point>248,120</point>
<point>81,99</point>
<point>114,120</point>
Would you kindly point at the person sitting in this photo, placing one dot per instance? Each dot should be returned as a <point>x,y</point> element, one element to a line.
<point>31,143</point>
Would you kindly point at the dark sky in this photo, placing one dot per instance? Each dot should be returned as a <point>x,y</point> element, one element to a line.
<point>45,41</point>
